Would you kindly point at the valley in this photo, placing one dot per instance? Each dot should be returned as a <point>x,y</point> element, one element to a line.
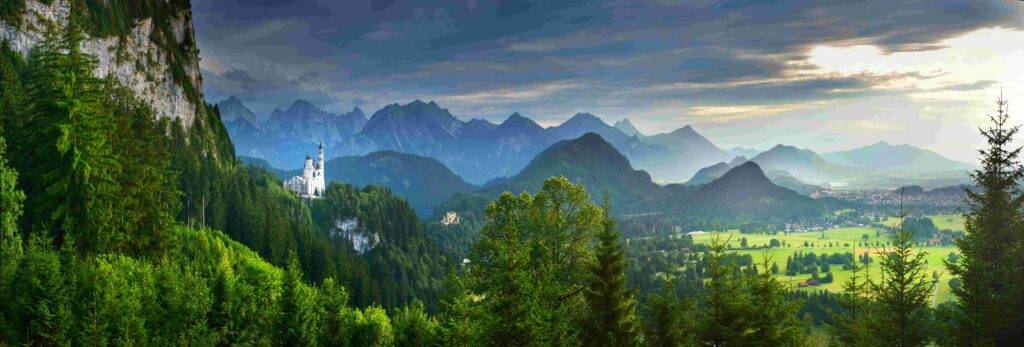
<point>520,173</point>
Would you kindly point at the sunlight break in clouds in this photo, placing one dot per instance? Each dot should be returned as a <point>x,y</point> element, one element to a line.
<point>982,55</point>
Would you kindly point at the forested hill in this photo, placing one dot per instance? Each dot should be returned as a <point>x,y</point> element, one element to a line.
<point>422,181</point>
<point>742,194</point>
<point>102,197</point>
<point>593,162</point>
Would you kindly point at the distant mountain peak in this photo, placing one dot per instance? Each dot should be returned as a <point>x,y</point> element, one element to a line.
<point>686,131</point>
<point>517,121</point>
<point>627,127</point>
<point>592,138</point>
<point>748,169</point>
<point>738,161</point>
<point>584,118</point>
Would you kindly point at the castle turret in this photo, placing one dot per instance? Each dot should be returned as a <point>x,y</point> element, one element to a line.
<point>320,154</point>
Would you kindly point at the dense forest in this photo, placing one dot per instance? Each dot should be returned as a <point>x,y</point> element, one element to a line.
<point>121,228</point>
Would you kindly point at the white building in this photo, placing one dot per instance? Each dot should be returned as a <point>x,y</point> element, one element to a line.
<point>311,184</point>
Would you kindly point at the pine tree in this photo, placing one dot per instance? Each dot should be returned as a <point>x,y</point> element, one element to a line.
<point>774,318</point>
<point>670,325</point>
<point>297,323</point>
<point>612,317</point>
<point>903,293</point>
<point>725,308</point>
<point>529,265</point>
<point>991,290</point>
<point>11,199</point>
<point>851,328</point>
<point>73,191</point>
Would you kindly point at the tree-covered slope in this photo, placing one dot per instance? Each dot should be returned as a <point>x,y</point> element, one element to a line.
<point>592,162</point>
<point>393,261</point>
<point>745,191</point>
<point>422,181</point>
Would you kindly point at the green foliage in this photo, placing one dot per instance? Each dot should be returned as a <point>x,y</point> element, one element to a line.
<point>612,317</point>
<point>903,293</point>
<point>403,266</point>
<point>744,307</point>
<point>529,265</point>
<point>104,18</point>
<point>991,289</point>
<point>72,162</point>
<point>11,10</point>
<point>414,328</point>
<point>669,319</point>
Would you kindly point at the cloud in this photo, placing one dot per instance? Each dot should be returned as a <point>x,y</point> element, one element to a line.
<point>662,62</point>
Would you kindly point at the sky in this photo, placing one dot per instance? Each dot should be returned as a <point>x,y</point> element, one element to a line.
<point>824,75</point>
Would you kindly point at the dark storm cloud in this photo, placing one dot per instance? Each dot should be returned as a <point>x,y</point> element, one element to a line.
<point>583,53</point>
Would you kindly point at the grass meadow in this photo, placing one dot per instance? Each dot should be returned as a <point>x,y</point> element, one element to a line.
<point>840,240</point>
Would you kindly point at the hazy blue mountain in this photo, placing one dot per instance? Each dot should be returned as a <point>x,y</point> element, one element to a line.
<point>260,163</point>
<point>583,123</point>
<point>232,108</point>
<point>422,181</point>
<point>741,193</point>
<point>287,136</point>
<point>686,152</point>
<point>627,128</point>
<point>803,164</point>
<point>710,173</point>
<point>477,150</point>
<point>303,120</point>
<point>778,177</point>
<point>743,152</point>
<point>785,180</point>
<point>902,158</point>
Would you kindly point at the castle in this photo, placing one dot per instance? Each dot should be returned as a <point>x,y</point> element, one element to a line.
<point>311,184</point>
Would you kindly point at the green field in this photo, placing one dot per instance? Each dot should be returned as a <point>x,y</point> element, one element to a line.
<point>842,240</point>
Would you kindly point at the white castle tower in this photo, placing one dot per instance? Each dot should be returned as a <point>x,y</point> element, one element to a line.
<point>311,184</point>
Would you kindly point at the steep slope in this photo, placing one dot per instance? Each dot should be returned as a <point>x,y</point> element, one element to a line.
<point>710,173</point>
<point>901,158</point>
<point>303,120</point>
<point>687,152</point>
<point>746,191</point>
<point>288,136</point>
<point>149,49</point>
<point>583,123</point>
<point>627,128</point>
<point>803,164</point>
<point>593,162</point>
<point>476,150</point>
<point>232,108</point>
<point>423,182</point>
<point>778,177</point>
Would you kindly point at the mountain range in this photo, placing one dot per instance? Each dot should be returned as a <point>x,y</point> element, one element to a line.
<point>900,158</point>
<point>480,151</point>
<point>741,192</point>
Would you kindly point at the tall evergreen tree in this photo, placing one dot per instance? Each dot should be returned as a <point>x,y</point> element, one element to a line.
<point>529,266</point>
<point>11,199</point>
<point>991,290</point>
<point>612,317</point>
<point>851,327</point>
<point>73,189</point>
<point>903,293</point>
<point>774,318</point>
<point>725,310</point>
<point>669,323</point>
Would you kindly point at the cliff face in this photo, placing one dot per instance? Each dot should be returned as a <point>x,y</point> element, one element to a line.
<point>155,57</point>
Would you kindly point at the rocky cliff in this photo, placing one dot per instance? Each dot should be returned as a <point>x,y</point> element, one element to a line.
<point>151,49</point>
